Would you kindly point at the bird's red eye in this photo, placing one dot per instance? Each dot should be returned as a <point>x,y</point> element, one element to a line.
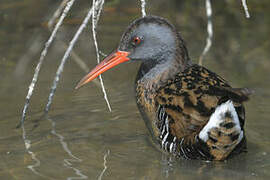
<point>136,40</point>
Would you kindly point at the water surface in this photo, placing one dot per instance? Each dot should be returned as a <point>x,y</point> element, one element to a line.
<point>79,132</point>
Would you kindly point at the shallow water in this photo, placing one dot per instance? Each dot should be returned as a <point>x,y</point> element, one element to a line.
<point>79,132</point>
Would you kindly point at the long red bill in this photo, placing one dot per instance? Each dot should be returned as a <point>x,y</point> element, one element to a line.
<point>109,62</point>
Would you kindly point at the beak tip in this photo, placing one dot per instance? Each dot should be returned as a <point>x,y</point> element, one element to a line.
<point>110,61</point>
<point>78,86</point>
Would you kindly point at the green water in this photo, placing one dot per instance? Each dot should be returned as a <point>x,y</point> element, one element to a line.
<point>79,132</point>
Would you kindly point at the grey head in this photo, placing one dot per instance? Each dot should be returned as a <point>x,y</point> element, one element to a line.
<point>153,40</point>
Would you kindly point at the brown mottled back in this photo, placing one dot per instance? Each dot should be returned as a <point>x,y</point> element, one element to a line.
<point>186,104</point>
<point>189,99</point>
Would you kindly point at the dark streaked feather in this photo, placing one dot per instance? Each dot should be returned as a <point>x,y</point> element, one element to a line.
<point>189,100</point>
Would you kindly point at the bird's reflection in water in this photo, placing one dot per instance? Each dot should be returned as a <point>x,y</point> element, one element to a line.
<point>167,165</point>
<point>172,167</point>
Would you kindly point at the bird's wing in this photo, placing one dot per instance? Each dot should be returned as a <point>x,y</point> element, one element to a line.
<point>186,103</point>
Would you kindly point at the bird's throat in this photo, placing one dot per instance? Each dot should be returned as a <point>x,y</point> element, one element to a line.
<point>152,77</point>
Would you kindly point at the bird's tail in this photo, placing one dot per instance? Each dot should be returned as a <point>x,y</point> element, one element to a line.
<point>223,132</point>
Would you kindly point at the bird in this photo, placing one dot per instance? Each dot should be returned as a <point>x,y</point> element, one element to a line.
<point>190,111</point>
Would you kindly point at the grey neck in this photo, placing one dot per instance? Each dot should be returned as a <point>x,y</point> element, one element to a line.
<point>152,77</point>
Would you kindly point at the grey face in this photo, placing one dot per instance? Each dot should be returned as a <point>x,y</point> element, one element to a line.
<point>149,41</point>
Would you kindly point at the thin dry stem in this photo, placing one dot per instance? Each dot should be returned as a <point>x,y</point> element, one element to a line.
<point>143,3</point>
<point>95,17</point>
<point>41,59</point>
<point>209,30</point>
<point>244,3</point>
<point>57,13</point>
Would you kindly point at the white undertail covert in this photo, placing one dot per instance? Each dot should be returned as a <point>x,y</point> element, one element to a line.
<point>218,117</point>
